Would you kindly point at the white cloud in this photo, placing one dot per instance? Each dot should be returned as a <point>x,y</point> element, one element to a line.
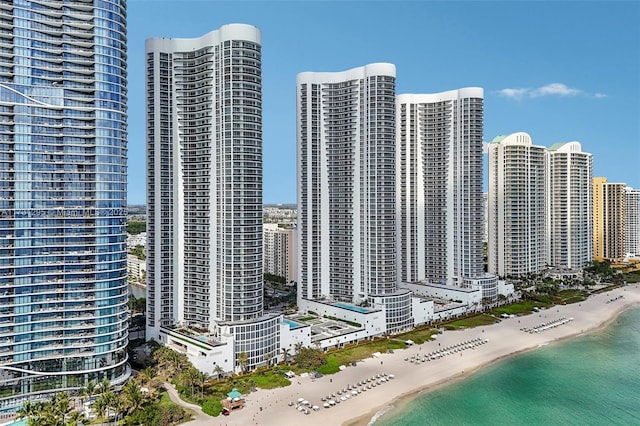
<point>513,93</point>
<point>552,89</point>
<point>555,89</point>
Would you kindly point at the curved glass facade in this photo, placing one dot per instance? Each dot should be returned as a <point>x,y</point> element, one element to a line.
<point>63,291</point>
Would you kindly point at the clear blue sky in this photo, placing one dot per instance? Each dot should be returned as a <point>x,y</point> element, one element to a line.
<point>560,71</point>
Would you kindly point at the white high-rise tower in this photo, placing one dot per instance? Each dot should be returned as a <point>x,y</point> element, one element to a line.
<point>517,210</point>
<point>346,183</point>
<point>440,210</point>
<point>204,165</point>
<point>632,221</point>
<point>569,206</point>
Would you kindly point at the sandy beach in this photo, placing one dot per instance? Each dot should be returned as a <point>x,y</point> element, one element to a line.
<point>271,407</point>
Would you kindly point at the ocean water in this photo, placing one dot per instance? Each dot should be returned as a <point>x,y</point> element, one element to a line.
<point>589,380</point>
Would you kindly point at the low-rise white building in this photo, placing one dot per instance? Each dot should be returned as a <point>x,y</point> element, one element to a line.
<point>465,295</point>
<point>136,268</point>
<point>327,324</point>
<point>136,240</point>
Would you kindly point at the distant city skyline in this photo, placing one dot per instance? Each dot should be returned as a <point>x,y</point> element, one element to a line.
<point>553,70</point>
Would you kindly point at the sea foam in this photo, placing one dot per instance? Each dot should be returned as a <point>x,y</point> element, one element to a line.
<point>379,414</point>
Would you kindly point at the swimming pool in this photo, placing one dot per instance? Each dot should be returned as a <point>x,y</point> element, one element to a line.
<point>21,422</point>
<point>291,324</point>
<point>352,308</point>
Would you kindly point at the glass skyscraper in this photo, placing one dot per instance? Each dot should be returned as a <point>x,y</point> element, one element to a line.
<point>63,151</point>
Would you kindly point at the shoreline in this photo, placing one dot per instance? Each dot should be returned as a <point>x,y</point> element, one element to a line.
<point>405,399</point>
<point>505,339</point>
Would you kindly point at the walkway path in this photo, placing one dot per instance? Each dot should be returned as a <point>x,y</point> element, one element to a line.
<point>201,418</point>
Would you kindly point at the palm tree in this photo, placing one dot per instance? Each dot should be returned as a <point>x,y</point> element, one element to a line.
<point>285,355</point>
<point>89,389</point>
<point>267,358</point>
<point>202,378</point>
<point>132,397</point>
<point>73,418</point>
<point>191,376</point>
<point>101,405</point>
<point>218,370</point>
<point>61,404</point>
<point>105,401</point>
<point>148,379</point>
<point>103,386</point>
<point>28,409</point>
<point>147,375</point>
<point>53,412</point>
<point>243,358</point>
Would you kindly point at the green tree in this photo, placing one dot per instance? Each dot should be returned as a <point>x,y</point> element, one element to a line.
<point>218,370</point>
<point>310,358</point>
<point>201,380</point>
<point>243,358</point>
<point>146,376</point>
<point>132,397</point>
<point>135,227</point>
<point>107,401</point>
<point>54,412</point>
<point>286,352</point>
<point>28,409</point>
<point>275,278</point>
<point>103,386</point>
<point>138,251</point>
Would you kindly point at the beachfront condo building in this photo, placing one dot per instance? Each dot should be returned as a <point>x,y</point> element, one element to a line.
<point>608,219</point>
<point>63,168</point>
<point>204,196</point>
<point>485,205</point>
<point>569,206</point>
<point>439,201</point>
<point>346,183</point>
<point>280,251</point>
<point>632,221</point>
<point>346,191</point>
<point>517,210</point>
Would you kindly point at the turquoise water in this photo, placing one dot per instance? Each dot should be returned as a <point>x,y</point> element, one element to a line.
<point>590,380</point>
<point>352,308</point>
<point>21,422</point>
<point>292,324</point>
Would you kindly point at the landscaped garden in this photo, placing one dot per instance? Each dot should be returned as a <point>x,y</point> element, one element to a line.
<point>470,322</point>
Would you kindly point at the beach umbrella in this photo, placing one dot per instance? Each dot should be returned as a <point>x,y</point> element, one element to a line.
<point>234,393</point>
